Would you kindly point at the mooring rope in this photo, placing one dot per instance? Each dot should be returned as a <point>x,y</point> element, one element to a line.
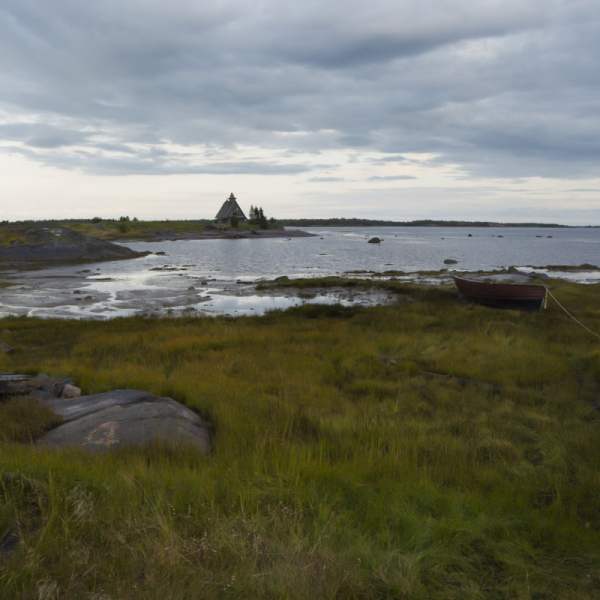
<point>572,317</point>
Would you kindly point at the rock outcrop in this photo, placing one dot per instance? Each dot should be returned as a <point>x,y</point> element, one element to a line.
<point>124,418</point>
<point>42,386</point>
<point>62,244</point>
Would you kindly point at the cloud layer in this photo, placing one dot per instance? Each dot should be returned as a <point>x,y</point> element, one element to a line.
<point>498,88</point>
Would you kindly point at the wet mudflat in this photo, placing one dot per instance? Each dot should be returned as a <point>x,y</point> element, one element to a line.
<point>84,294</point>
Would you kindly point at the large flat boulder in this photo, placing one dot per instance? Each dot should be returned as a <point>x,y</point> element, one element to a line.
<point>61,243</point>
<point>124,418</point>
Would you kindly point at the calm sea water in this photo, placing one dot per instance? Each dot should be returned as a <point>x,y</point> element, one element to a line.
<point>201,275</point>
<point>335,251</point>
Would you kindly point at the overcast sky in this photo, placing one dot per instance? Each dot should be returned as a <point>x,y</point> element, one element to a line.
<point>467,109</point>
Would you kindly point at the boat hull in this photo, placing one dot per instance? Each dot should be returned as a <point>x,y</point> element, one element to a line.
<point>525,297</point>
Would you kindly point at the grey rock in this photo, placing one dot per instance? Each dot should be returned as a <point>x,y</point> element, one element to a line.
<point>61,243</point>
<point>58,387</point>
<point>450,261</point>
<point>470,235</point>
<point>6,331</point>
<point>24,385</point>
<point>374,240</point>
<point>513,270</point>
<point>282,278</point>
<point>70,391</point>
<point>160,253</point>
<point>5,348</point>
<point>41,375</point>
<point>124,418</point>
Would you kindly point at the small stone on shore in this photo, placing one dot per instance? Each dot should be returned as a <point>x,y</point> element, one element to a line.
<point>70,391</point>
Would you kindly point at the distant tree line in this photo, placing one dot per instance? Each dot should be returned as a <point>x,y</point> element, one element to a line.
<point>261,219</point>
<point>342,222</point>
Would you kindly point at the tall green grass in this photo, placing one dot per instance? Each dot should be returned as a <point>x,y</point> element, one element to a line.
<point>333,474</point>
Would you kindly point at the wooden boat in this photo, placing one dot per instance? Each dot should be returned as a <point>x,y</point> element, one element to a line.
<point>503,292</point>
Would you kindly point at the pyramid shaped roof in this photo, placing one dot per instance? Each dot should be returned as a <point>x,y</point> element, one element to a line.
<point>229,209</point>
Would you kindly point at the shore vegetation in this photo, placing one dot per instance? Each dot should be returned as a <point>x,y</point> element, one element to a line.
<point>126,228</point>
<point>338,468</point>
<point>104,229</point>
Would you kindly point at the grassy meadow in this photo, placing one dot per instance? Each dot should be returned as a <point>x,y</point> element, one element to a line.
<point>116,230</point>
<point>333,474</point>
<point>109,230</point>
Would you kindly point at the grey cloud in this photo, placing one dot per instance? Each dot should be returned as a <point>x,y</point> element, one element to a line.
<point>503,88</point>
<point>54,141</point>
<point>42,135</point>
<point>346,34</point>
<point>325,179</point>
<point>148,164</point>
<point>390,159</point>
<point>354,141</point>
<point>390,177</point>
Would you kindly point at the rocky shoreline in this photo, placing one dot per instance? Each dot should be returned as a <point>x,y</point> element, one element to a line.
<point>41,247</point>
<point>45,245</point>
<point>164,235</point>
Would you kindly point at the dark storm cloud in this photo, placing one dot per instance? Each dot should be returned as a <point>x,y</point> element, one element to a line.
<point>494,88</point>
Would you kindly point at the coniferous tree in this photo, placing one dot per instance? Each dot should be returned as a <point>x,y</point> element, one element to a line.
<point>262,220</point>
